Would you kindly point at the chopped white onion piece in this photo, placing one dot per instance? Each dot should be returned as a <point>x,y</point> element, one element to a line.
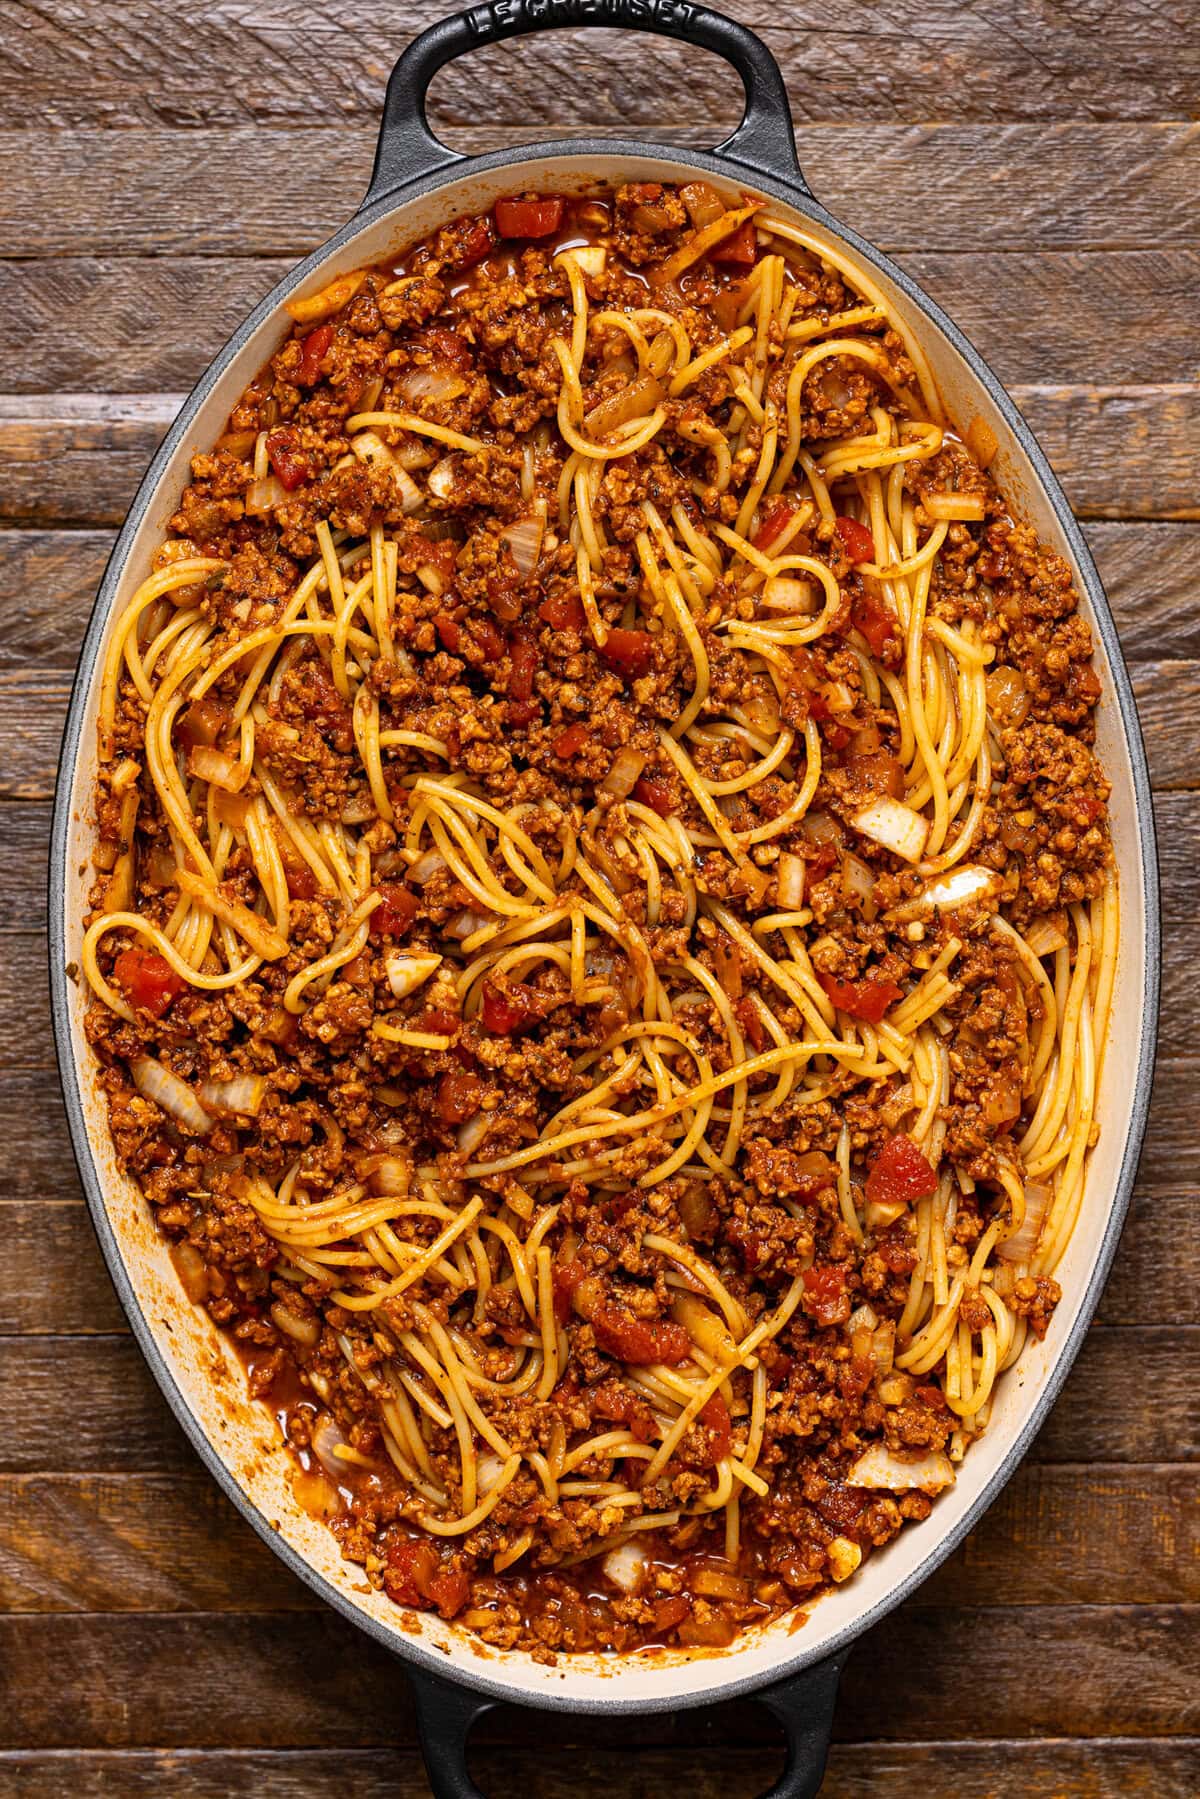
<point>413,452</point>
<point>262,496</point>
<point>425,867</point>
<point>783,593</point>
<point>882,1471</point>
<point>465,924</point>
<point>624,773</point>
<point>954,505</point>
<point>1022,1244</point>
<point>791,872</point>
<point>167,1091</point>
<point>862,1318</point>
<point>626,1566</point>
<point>488,1470</point>
<point>883,1347</point>
<point>375,453</point>
<point>1047,935</point>
<point>406,971</point>
<point>243,1094</point>
<point>591,258</point>
<point>304,1331</point>
<point>224,771</point>
<point>958,887</point>
<point>472,1133</point>
<point>894,826</point>
<point>858,881</point>
<point>432,579</point>
<point>524,540</point>
<point>391,1177</point>
<point>441,478</point>
<point>326,1440</point>
<point>431,384</point>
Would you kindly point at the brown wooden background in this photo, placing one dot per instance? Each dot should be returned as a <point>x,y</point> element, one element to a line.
<point>160,166</point>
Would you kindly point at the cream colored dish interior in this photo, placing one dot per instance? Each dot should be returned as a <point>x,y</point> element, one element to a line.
<point>204,1368</point>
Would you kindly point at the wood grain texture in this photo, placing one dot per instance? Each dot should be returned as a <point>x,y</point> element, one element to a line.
<point>289,63</point>
<point>201,1677</point>
<point>153,191</point>
<point>159,167</point>
<point>146,324</point>
<point>1149,1768</point>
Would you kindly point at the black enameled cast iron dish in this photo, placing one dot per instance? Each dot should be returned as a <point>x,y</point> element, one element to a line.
<point>419,184</point>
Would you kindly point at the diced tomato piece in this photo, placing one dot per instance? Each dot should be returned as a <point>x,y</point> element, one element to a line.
<point>475,241</point>
<point>931,1397</point>
<point>638,1340</point>
<point>741,246</point>
<point>879,771</point>
<point>202,723</point>
<point>523,659</point>
<point>409,1567</point>
<point>716,1420</point>
<point>509,1009</point>
<point>746,1013</point>
<point>825,1285</point>
<point>529,218</point>
<point>901,1174</point>
<point>562,611</point>
<point>396,911</point>
<point>458,1095</point>
<point>148,979</point>
<point>671,1611</point>
<point>287,459</point>
<point>655,791</point>
<point>570,742</point>
<point>857,541</point>
<point>439,1021</point>
<point>876,623</point>
<point>630,652</point>
<point>313,349</point>
<point>488,638</point>
<point>523,712</point>
<point>564,1278</point>
<point>448,633</point>
<point>779,512</point>
<point>301,881</point>
<point>448,1590</point>
<point>867,999</point>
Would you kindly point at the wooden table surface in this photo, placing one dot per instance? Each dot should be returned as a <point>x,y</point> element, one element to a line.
<point>160,167</point>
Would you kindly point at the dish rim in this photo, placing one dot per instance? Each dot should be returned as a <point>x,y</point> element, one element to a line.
<point>727,1684</point>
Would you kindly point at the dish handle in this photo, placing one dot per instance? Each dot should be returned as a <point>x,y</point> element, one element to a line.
<point>408,149</point>
<point>802,1704</point>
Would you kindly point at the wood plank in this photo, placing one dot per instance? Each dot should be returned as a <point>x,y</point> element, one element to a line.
<point>1152,1768</point>
<point>125,1423</point>
<point>157,191</point>
<point>1128,1674</point>
<point>1121,452</point>
<point>173,1543</point>
<point>293,65</point>
<point>145,325</point>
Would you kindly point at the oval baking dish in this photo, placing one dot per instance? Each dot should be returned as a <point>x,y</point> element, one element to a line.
<point>418,185</point>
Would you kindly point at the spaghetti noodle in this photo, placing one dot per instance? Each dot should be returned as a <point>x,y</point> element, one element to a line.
<point>605,926</point>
